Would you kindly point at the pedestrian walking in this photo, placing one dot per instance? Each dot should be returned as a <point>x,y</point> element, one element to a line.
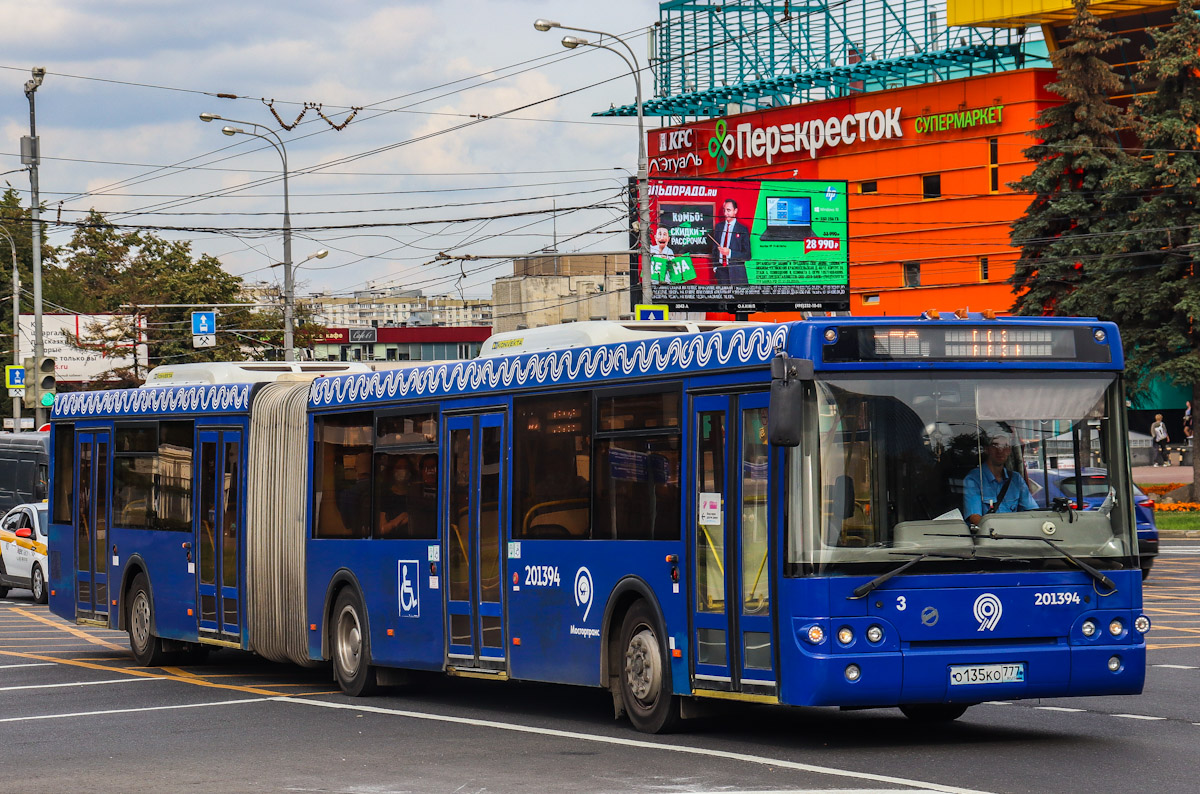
<point>1187,423</point>
<point>1160,437</point>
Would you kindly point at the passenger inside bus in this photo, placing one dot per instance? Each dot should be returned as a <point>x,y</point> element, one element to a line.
<point>393,497</point>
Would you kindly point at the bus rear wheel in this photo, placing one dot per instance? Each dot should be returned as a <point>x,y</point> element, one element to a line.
<point>351,645</point>
<point>147,648</point>
<point>930,713</point>
<point>646,674</point>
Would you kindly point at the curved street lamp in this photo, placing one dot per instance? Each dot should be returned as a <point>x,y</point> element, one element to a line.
<point>289,296</point>
<point>571,42</point>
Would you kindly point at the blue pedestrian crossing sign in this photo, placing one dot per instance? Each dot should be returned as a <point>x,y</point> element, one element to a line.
<point>650,311</point>
<point>204,323</point>
<point>14,377</point>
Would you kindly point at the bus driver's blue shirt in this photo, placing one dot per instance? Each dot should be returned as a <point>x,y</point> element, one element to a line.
<point>981,488</point>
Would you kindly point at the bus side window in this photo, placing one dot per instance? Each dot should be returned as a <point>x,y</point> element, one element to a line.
<point>342,476</point>
<point>552,453</point>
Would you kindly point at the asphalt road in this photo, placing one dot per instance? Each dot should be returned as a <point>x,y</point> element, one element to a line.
<point>77,714</point>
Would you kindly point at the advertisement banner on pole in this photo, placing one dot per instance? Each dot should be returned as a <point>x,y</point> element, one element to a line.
<point>85,345</point>
<point>746,245</point>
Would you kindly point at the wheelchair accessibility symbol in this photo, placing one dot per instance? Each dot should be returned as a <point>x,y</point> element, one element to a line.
<point>410,597</point>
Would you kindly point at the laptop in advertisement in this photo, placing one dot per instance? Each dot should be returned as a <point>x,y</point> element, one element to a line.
<point>789,218</point>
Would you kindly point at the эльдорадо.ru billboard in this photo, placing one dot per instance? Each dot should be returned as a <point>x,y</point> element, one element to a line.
<point>744,245</point>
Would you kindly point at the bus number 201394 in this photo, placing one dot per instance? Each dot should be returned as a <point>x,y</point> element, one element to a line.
<point>541,576</point>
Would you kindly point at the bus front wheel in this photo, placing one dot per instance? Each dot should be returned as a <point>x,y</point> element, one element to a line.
<point>352,646</point>
<point>646,673</point>
<point>930,713</point>
<point>147,648</point>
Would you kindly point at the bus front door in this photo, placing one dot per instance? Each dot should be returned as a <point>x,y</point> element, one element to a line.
<point>475,519</point>
<point>91,525</point>
<point>217,536</point>
<point>734,647</point>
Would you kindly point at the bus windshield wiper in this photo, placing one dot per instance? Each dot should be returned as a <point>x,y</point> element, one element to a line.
<point>1083,566</point>
<point>863,589</point>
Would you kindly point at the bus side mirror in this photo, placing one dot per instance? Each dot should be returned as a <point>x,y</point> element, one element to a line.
<point>784,420</point>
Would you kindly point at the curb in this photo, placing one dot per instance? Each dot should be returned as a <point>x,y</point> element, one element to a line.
<point>1179,533</point>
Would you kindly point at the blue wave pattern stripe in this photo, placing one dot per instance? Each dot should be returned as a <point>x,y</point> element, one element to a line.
<point>229,398</point>
<point>628,359</point>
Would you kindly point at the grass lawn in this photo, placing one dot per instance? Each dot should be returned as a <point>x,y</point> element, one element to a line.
<point>1177,520</point>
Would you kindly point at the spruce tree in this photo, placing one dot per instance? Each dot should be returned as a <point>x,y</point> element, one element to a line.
<point>1151,271</point>
<point>1064,227</point>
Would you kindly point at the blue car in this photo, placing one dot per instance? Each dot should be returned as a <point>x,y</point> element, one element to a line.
<point>1065,483</point>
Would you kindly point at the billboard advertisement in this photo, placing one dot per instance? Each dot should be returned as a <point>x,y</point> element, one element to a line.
<point>81,363</point>
<point>745,245</point>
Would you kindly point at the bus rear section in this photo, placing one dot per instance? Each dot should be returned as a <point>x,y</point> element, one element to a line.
<point>923,565</point>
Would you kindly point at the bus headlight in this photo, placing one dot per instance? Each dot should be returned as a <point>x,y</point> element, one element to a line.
<point>845,635</point>
<point>1141,624</point>
<point>816,635</point>
<point>853,672</point>
<point>1115,627</point>
<point>875,633</point>
<point>1114,663</point>
<point>1088,628</point>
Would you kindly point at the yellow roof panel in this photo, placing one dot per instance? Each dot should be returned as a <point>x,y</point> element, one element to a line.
<point>1017,13</point>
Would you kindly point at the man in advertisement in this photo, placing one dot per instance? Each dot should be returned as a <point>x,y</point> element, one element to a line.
<point>730,247</point>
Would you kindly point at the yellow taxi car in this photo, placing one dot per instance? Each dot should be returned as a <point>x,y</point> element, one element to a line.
<point>23,550</point>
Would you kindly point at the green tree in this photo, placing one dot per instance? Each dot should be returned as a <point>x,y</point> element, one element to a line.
<point>1064,228</point>
<point>1151,271</point>
<point>105,270</point>
<point>16,221</point>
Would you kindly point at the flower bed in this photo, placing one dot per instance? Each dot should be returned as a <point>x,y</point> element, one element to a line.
<point>1177,507</point>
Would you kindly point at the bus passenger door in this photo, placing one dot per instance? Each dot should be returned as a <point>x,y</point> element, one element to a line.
<point>217,535</point>
<point>91,525</point>
<point>475,530</point>
<point>734,640</point>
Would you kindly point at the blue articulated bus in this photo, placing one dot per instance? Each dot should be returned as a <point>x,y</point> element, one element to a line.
<point>833,512</point>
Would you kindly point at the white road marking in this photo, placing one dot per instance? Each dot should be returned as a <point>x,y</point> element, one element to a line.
<point>1185,550</point>
<point>131,711</point>
<point>777,763</point>
<point>28,664</point>
<point>1138,717</point>
<point>1177,666</point>
<point>1058,708</point>
<point>78,683</point>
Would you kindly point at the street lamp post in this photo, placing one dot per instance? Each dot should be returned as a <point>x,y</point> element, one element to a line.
<point>16,300</point>
<point>289,297</point>
<point>571,42</point>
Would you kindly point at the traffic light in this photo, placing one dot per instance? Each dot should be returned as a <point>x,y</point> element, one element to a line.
<point>47,384</point>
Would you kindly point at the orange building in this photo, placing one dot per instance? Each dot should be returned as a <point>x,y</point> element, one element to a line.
<point>927,169</point>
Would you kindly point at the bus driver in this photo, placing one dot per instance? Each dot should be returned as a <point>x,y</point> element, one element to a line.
<point>992,487</point>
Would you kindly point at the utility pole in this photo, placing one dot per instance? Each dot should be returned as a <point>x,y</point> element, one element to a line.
<point>35,235</point>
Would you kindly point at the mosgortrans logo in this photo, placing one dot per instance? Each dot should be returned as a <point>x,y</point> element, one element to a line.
<point>748,141</point>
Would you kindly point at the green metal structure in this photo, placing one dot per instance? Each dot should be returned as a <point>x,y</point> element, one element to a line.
<point>714,59</point>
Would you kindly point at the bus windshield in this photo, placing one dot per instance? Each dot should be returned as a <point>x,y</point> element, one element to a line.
<point>1009,469</point>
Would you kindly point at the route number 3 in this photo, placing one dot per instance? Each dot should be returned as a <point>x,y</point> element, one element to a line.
<point>901,604</point>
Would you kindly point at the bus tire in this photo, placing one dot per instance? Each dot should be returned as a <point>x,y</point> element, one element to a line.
<point>350,642</point>
<point>37,583</point>
<point>931,713</point>
<point>146,646</point>
<point>3,591</point>
<point>646,673</point>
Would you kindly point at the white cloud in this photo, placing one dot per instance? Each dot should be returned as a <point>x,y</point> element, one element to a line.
<point>417,55</point>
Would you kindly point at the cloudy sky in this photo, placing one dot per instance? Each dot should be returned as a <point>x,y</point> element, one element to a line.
<point>127,80</point>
